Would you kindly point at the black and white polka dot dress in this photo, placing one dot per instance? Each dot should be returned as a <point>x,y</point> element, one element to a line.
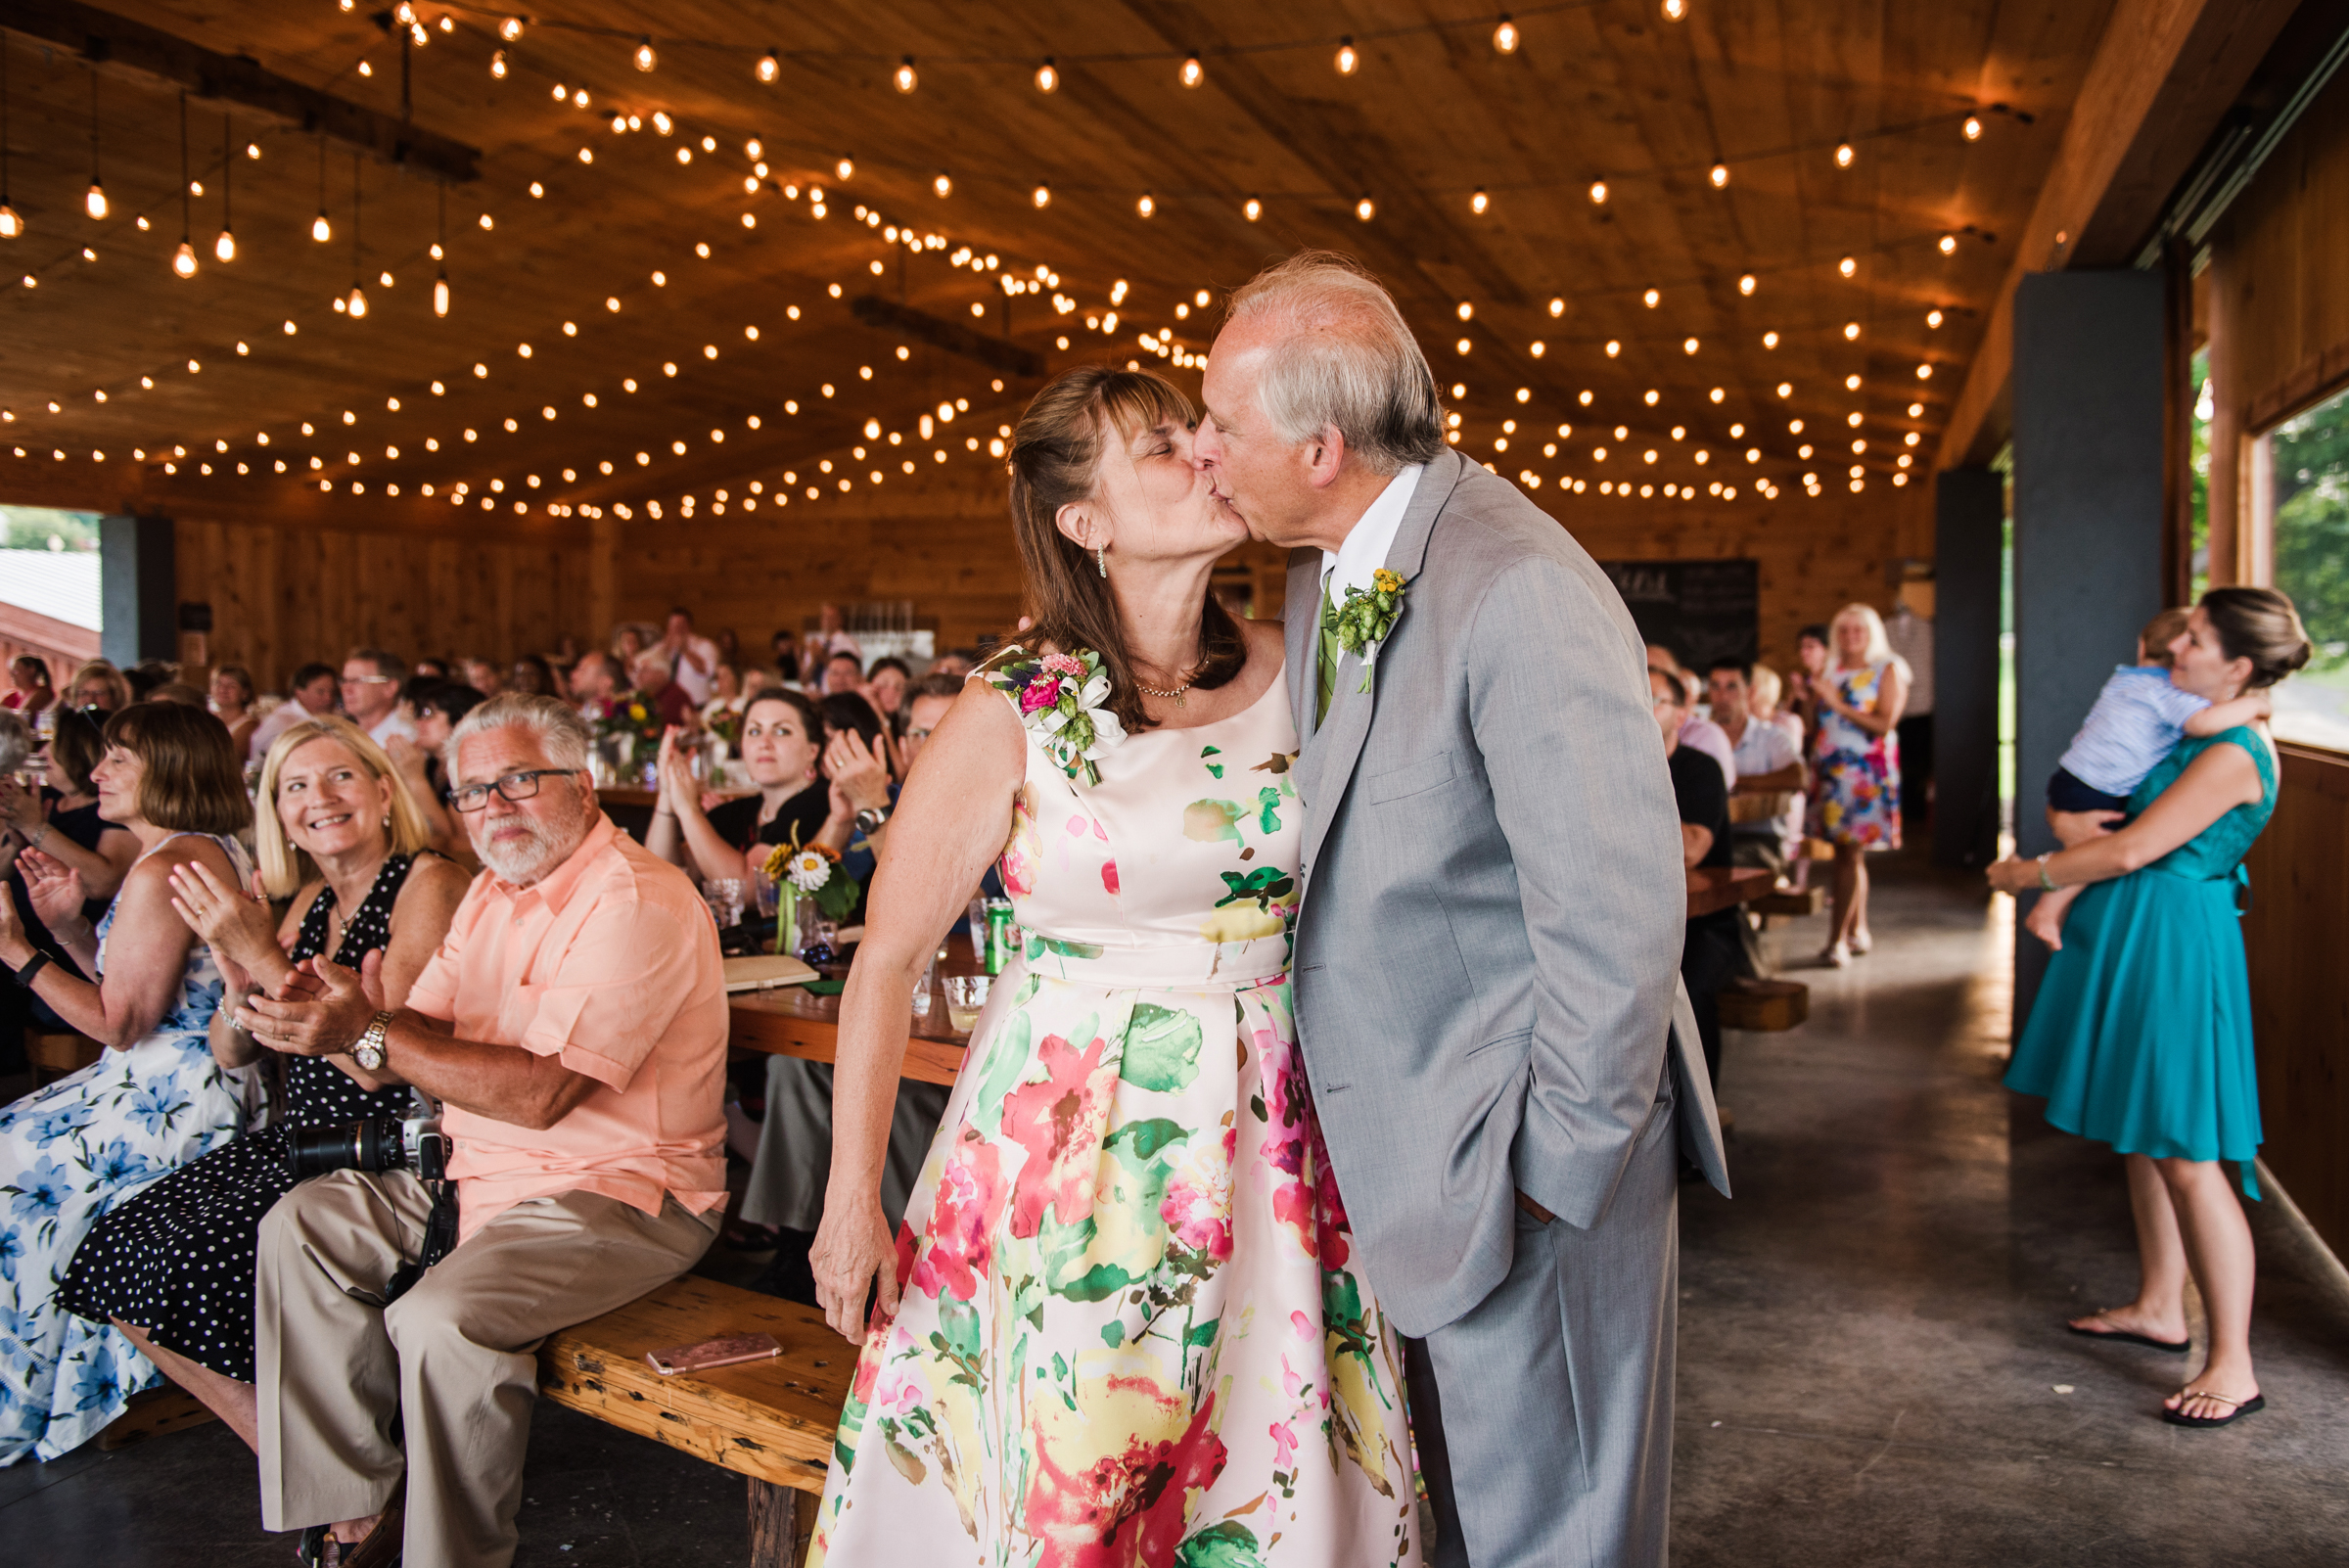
<point>177,1259</point>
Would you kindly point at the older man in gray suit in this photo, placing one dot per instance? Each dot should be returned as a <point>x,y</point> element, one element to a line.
<point>1486,957</point>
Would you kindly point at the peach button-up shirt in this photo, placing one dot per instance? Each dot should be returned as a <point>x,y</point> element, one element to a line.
<point>610,964</point>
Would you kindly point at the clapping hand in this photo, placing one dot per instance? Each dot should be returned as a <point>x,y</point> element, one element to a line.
<point>19,807</point>
<point>675,771</point>
<point>54,889</point>
<point>859,773</point>
<point>321,1009</point>
<point>237,925</point>
<point>407,757</point>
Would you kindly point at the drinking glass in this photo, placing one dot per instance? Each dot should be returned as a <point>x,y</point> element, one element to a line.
<point>977,922</point>
<point>726,897</point>
<point>966,995</point>
<point>765,894</point>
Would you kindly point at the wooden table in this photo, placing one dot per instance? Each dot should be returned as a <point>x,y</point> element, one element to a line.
<point>789,1021</point>
<point>1712,889</point>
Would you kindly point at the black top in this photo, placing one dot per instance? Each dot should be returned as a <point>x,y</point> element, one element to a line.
<point>1703,796</point>
<point>806,810</point>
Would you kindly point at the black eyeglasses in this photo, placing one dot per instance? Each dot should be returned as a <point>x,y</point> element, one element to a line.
<point>512,787</point>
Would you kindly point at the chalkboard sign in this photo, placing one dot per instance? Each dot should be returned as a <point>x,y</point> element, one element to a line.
<point>1701,610</point>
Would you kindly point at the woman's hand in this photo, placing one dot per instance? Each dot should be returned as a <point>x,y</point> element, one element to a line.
<point>852,1248</point>
<point>680,791</point>
<point>2013,875</point>
<point>320,1010</point>
<point>238,925</point>
<point>859,773</point>
<point>19,808</point>
<point>54,889</point>
<point>2078,827</point>
<point>409,759</point>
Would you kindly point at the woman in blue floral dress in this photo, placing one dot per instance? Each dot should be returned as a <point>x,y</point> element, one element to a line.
<point>153,1101</point>
<point>1857,793</point>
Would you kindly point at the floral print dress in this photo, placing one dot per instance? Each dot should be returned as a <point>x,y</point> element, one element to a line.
<point>67,1154</point>
<point>1132,1331</point>
<point>1858,797</point>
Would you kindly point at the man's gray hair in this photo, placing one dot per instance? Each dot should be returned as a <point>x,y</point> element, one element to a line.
<point>1342,358</point>
<point>562,732</point>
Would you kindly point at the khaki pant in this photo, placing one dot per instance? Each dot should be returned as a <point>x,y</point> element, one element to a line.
<point>452,1360</point>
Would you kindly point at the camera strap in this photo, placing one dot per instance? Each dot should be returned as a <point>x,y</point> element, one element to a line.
<point>440,1240</point>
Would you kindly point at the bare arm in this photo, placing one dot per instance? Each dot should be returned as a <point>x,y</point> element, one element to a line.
<point>1892,698</point>
<point>682,833</point>
<point>952,821</point>
<point>2215,783</point>
<point>102,867</point>
<point>2251,707</point>
<point>1783,780</point>
<point>149,952</point>
<point>1695,841</point>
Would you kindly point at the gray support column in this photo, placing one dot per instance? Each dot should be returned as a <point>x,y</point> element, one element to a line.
<point>1969,506</point>
<point>2088,515</point>
<point>139,588</point>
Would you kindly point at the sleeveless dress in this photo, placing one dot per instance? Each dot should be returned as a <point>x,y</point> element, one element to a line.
<point>2140,1034</point>
<point>178,1260</point>
<point>1132,1329</point>
<point>70,1152</point>
<point>1858,797</point>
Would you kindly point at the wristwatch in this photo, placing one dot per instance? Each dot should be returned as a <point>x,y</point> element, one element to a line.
<point>873,818</point>
<point>369,1051</point>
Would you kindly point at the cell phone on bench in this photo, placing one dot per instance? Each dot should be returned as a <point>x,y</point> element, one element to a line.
<point>729,1351</point>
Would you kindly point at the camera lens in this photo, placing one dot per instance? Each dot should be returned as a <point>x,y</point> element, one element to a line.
<point>370,1145</point>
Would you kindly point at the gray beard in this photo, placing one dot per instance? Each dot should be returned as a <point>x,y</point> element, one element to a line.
<point>523,864</point>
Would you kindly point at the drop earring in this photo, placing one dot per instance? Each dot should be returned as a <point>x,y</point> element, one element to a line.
<point>1101,561</point>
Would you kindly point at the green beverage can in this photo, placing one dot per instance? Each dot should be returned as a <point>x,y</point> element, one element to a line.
<point>1000,945</point>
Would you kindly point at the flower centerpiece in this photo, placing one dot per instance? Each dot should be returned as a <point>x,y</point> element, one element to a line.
<point>629,718</point>
<point>1060,697</point>
<point>809,874</point>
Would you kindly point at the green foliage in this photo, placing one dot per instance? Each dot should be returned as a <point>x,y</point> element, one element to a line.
<point>2309,457</point>
<point>32,528</point>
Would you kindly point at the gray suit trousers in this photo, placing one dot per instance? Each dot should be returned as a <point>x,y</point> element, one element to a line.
<point>1551,1401</point>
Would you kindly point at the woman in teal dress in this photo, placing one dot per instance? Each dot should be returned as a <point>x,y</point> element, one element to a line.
<point>2140,1034</point>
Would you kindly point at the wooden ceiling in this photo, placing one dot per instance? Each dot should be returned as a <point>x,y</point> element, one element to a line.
<point>849,327</point>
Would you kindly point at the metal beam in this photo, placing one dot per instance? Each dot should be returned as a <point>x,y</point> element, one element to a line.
<point>118,44</point>
<point>955,339</point>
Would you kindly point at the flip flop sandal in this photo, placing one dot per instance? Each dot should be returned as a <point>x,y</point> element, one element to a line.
<point>2123,1337</point>
<point>2236,1410</point>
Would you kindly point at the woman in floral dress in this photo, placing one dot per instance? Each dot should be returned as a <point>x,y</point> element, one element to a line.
<point>153,1101</point>
<point>1120,1323</point>
<point>1857,791</point>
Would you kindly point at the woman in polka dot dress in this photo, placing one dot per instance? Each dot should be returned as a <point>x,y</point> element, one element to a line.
<point>174,1267</point>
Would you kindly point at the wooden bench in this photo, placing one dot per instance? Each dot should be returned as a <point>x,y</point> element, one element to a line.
<point>1764,1005</point>
<point>773,1421</point>
<point>1788,901</point>
<point>54,1055</point>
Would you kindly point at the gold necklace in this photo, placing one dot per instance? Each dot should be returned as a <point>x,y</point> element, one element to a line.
<point>1175,694</point>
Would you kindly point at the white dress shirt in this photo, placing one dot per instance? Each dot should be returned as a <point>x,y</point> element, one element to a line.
<point>1365,548</point>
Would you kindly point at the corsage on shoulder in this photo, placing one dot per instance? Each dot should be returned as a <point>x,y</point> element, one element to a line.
<point>1362,623</point>
<point>1060,697</point>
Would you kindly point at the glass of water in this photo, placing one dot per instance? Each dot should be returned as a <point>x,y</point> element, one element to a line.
<point>966,995</point>
<point>727,896</point>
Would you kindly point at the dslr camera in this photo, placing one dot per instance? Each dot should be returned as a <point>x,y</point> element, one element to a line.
<point>377,1143</point>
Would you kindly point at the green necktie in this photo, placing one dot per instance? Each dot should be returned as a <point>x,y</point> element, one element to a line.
<point>1325,675</point>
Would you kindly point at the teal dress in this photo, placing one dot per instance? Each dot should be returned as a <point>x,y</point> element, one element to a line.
<point>2141,1037</point>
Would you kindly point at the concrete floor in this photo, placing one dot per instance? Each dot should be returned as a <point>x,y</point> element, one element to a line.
<point>1870,1341</point>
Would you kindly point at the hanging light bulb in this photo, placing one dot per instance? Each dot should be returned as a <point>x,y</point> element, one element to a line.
<point>1479,201</point>
<point>1745,285</point>
<point>1949,244</point>
<point>1041,196</point>
<point>846,169</point>
<point>1347,58</point>
<point>357,305</point>
<point>1504,37</point>
<point>321,230</point>
<point>1973,127</point>
<point>770,66</point>
<point>1194,72</point>
<point>1844,156</point>
<point>1366,210</point>
<point>225,248</point>
<point>498,64</point>
<point>1047,77</point>
<point>943,185</point>
<point>95,201</point>
<point>905,77</point>
<point>1847,266</point>
<point>510,28</point>
<point>644,57</point>
<point>1598,193</point>
<point>1147,204</point>
<point>1720,175</point>
<point>183,260</point>
<point>12,227</point>
<point>1252,208</point>
<point>1674,10</point>
<point>441,294</point>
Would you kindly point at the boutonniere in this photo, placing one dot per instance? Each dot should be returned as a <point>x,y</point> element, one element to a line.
<point>1362,621</point>
<point>1060,697</point>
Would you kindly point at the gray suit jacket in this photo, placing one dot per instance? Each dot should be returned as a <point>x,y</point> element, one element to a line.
<point>1487,959</point>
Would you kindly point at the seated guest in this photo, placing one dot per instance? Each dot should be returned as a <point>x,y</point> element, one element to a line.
<point>756,679</point>
<point>657,691</point>
<point>371,686</point>
<point>574,1027</point>
<point>690,657</point>
<point>531,676</point>
<point>594,685</point>
<point>232,705</point>
<point>1766,703</point>
<point>725,694</point>
<point>28,690</point>
<point>841,672</point>
<point>484,676</point>
<point>1698,731</point>
<point>422,777</point>
<point>783,748</point>
<point>928,702</point>
<point>885,683</point>
<point>99,685</point>
<point>148,677</point>
<point>830,637</point>
<point>64,822</point>
<point>315,689</point>
<point>1709,951</point>
<point>172,1268</point>
<point>180,692</point>
<point>1770,761</point>
<point>153,1101</point>
<point>957,664</point>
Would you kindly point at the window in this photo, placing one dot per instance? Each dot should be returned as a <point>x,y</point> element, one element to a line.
<point>2301,488</point>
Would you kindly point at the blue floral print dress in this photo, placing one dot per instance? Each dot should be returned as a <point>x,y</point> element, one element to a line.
<point>67,1154</point>
<point>1133,1332</point>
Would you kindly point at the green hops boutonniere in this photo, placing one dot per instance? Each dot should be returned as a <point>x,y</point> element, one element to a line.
<point>1361,623</point>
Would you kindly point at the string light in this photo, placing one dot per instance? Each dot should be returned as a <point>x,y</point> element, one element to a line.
<point>1746,284</point>
<point>1949,244</point>
<point>1598,193</point>
<point>440,283</point>
<point>1933,319</point>
<point>1347,58</point>
<point>1504,37</point>
<point>1652,299</point>
<point>1674,10</point>
<point>498,64</point>
<point>1041,196</point>
<point>1973,128</point>
<point>225,246</point>
<point>321,230</point>
<point>1366,210</point>
<point>905,77</point>
<point>1479,201</point>
<point>644,57</point>
<point>1252,209</point>
<point>183,260</point>
<point>1047,77</point>
<point>1847,266</point>
<point>95,201</point>
<point>355,306</point>
<point>846,169</point>
<point>1844,156</point>
<point>510,28</point>
<point>943,185</point>
<point>12,227</point>
<point>1194,72</point>
<point>769,66</point>
<point>1851,331</point>
<point>1146,206</point>
<point>1720,175</point>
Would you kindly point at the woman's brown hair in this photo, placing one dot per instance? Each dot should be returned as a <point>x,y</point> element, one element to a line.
<point>78,744</point>
<point>1055,460</point>
<point>190,781</point>
<point>2259,624</point>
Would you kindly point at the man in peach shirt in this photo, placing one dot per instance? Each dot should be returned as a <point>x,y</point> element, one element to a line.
<point>573,1027</point>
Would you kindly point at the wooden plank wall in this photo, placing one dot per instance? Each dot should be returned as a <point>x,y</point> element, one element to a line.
<point>2295,934</point>
<point>284,595</point>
